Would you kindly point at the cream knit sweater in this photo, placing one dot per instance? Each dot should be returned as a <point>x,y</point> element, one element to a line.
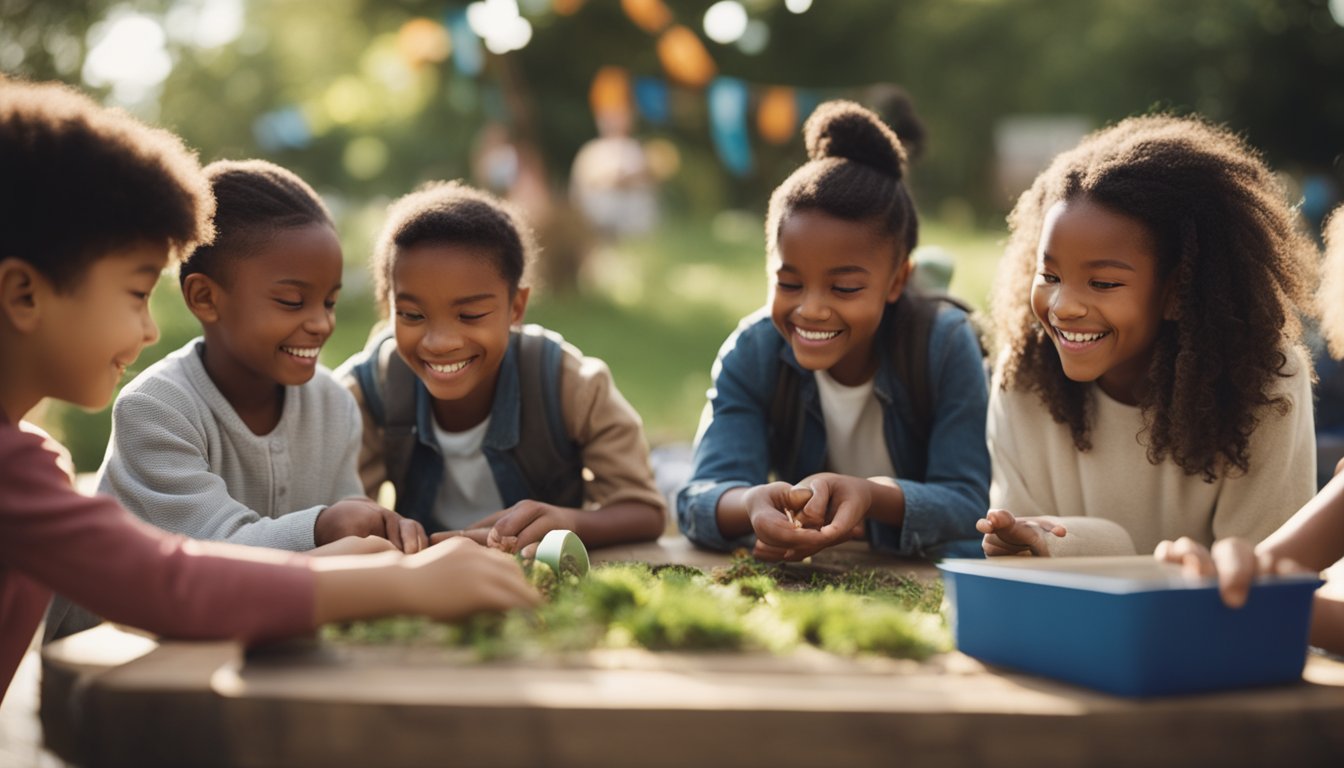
<point>1114,501</point>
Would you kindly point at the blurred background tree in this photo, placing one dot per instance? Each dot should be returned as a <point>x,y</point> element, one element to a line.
<point>367,98</point>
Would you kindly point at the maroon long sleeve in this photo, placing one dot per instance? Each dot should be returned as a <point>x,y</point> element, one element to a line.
<point>90,549</point>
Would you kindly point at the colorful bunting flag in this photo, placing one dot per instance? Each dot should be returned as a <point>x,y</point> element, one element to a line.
<point>728,123</point>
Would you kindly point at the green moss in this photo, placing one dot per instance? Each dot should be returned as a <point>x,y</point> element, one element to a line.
<point>748,606</point>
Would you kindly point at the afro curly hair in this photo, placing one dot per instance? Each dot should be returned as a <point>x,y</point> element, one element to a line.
<point>1330,297</point>
<point>1239,268</point>
<point>78,180</point>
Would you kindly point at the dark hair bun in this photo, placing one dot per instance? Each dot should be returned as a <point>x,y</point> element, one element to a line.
<point>843,129</point>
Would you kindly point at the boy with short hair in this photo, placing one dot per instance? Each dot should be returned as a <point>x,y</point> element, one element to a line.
<point>94,204</point>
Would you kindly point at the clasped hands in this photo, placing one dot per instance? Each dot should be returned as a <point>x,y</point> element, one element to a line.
<point>793,522</point>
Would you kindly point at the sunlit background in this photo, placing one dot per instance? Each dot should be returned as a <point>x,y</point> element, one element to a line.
<point>643,137</point>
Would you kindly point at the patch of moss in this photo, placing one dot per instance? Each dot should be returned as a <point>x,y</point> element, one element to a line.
<point>747,605</point>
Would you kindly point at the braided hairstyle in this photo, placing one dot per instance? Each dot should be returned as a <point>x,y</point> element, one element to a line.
<point>452,213</point>
<point>78,180</point>
<point>855,172</point>
<point>1238,267</point>
<point>254,200</point>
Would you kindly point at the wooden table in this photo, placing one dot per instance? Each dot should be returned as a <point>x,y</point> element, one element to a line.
<point>110,697</point>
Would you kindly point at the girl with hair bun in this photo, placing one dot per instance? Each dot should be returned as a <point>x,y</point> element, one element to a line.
<point>864,402</point>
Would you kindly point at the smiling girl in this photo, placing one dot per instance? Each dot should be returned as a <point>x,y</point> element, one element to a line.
<point>839,234</point>
<point>1151,385</point>
<point>240,435</point>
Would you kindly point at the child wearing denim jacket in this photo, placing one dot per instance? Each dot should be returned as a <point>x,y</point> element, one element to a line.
<point>867,464</point>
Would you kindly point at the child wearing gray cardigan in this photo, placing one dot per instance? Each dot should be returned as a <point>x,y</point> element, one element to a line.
<point>241,436</point>
<point>181,458</point>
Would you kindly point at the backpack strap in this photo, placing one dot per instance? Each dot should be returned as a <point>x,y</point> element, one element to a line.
<point>908,325</point>
<point>399,432</point>
<point>785,423</point>
<point>913,317</point>
<point>380,373</point>
<point>548,458</point>
<point>912,321</point>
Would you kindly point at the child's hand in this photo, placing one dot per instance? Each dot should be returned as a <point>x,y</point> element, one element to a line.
<point>354,545</point>
<point>838,506</point>
<point>359,516</point>
<point>1006,535</point>
<point>478,531</point>
<point>479,535</point>
<point>485,579</point>
<point>1234,561</point>
<point>525,523</point>
<point>771,509</point>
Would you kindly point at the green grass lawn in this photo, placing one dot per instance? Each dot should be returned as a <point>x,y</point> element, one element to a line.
<point>655,309</point>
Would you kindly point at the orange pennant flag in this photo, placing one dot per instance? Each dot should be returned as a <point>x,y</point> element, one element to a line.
<point>685,58</point>
<point>652,16</point>
<point>610,91</point>
<point>777,116</point>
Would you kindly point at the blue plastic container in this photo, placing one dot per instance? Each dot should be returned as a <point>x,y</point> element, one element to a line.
<point>1127,625</point>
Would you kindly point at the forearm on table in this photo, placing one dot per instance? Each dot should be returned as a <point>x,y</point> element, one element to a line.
<point>620,522</point>
<point>888,505</point>
<point>1314,536</point>
<point>1089,536</point>
<point>731,513</point>
<point>359,586</point>
<point>1327,622</point>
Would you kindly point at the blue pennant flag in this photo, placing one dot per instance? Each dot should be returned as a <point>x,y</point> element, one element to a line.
<point>728,123</point>
<point>651,99</point>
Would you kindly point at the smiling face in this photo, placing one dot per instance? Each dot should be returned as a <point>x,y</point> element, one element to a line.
<point>452,312</point>
<point>268,319</point>
<point>91,333</point>
<point>1098,295</point>
<point>832,281</point>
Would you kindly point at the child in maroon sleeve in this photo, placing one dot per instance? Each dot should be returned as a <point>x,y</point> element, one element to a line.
<point>93,206</point>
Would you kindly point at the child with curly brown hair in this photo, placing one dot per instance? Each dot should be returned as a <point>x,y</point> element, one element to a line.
<point>1314,537</point>
<point>1151,384</point>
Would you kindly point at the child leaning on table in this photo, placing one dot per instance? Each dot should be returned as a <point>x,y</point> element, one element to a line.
<point>487,428</point>
<point>1313,538</point>
<point>827,369</point>
<point>94,206</point>
<point>240,435</point>
<point>1152,383</point>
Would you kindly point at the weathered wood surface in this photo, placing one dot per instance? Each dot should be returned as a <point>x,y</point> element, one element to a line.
<point>113,698</point>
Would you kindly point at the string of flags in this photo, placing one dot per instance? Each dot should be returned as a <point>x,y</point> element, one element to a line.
<point>463,36</point>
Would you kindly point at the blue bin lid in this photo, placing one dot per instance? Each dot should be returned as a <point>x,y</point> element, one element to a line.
<point>1124,574</point>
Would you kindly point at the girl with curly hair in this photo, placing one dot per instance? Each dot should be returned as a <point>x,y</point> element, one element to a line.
<point>1151,384</point>
<point>1314,537</point>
